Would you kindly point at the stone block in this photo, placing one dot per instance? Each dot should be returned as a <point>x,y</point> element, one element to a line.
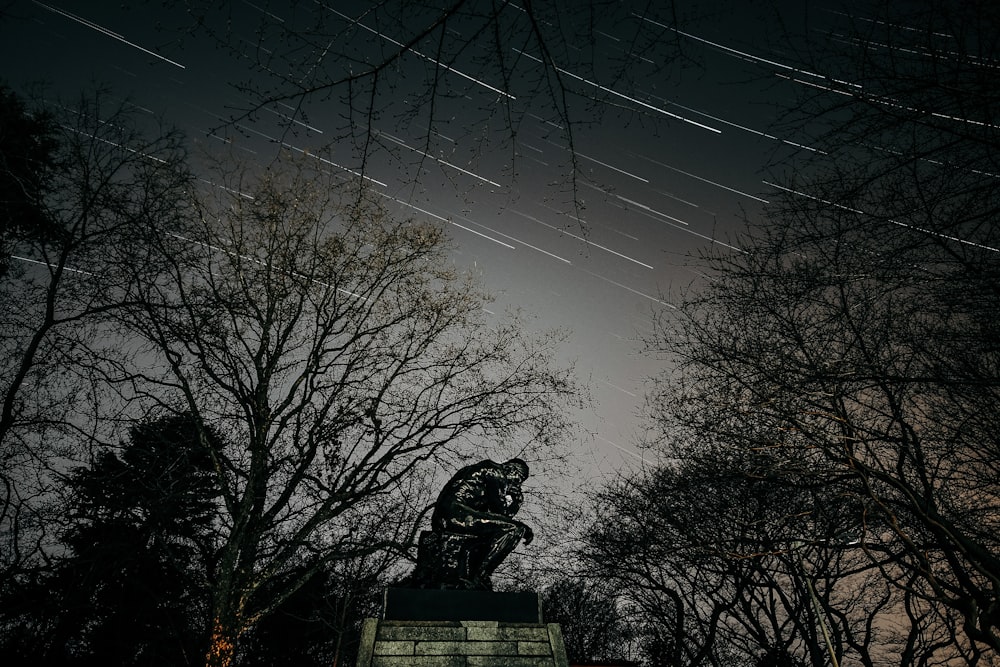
<point>418,661</point>
<point>366,646</point>
<point>483,634</point>
<point>559,658</point>
<point>422,632</point>
<point>394,648</point>
<point>505,661</point>
<point>466,648</point>
<point>534,648</point>
<point>533,633</point>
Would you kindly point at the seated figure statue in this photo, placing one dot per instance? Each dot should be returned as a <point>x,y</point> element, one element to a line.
<point>473,527</point>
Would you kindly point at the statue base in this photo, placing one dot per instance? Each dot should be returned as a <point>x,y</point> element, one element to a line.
<point>428,604</point>
<point>455,628</point>
<point>387,643</point>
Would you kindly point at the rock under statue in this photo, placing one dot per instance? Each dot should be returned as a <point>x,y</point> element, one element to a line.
<point>473,527</point>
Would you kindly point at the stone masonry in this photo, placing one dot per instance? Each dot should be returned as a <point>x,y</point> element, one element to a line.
<point>460,644</point>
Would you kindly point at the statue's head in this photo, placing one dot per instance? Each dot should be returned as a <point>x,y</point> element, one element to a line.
<point>516,468</point>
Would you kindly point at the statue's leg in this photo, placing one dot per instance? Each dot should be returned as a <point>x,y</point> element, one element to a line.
<point>505,540</point>
<point>492,539</point>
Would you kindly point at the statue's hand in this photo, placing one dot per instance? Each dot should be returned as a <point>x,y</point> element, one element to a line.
<point>515,497</point>
<point>529,534</point>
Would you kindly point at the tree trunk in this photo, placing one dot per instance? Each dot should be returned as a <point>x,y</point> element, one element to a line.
<point>222,646</point>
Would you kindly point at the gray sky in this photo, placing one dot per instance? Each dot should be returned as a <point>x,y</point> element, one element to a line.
<point>668,157</point>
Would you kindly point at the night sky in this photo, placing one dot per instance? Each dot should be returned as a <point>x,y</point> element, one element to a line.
<point>669,156</point>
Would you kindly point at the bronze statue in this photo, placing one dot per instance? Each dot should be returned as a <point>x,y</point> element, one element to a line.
<point>473,529</point>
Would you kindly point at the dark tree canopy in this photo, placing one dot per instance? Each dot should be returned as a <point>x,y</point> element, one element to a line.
<point>320,624</point>
<point>132,590</point>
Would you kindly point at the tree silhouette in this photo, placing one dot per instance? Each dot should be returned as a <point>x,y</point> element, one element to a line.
<point>854,338</point>
<point>592,625</point>
<point>716,559</point>
<point>98,179</point>
<point>133,588</point>
<point>339,351</point>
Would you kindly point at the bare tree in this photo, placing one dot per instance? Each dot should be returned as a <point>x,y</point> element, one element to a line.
<point>724,568</point>
<point>856,370</point>
<point>854,339</point>
<point>338,350</point>
<point>588,613</point>
<point>103,179</point>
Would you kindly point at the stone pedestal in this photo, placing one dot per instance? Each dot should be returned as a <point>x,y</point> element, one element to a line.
<point>460,644</point>
<point>449,628</point>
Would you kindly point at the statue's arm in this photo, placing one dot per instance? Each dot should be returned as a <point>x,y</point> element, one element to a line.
<point>516,499</point>
<point>496,499</point>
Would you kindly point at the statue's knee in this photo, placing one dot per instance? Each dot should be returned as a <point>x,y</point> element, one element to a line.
<point>515,530</point>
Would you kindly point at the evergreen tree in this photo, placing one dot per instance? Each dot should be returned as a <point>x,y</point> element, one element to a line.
<point>131,591</point>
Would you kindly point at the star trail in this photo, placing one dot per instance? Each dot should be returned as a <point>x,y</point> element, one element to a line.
<point>585,225</point>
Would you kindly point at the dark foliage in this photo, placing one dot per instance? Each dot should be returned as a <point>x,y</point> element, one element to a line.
<point>131,590</point>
